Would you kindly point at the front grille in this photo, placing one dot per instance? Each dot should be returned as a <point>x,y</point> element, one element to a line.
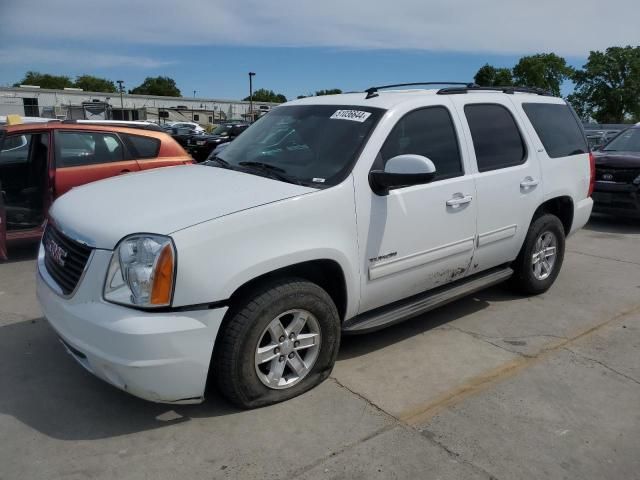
<point>64,258</point>
<point>618,175</point>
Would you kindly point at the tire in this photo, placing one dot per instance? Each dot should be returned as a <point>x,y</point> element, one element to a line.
<point>528,278</point>
<point>251,324</point>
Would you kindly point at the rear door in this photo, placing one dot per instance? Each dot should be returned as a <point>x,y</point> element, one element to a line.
<point>508,177</point>
<point>3,216</point>
<point>84,156</point>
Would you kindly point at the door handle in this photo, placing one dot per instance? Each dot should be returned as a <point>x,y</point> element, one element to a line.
<point>528,182</point>
<point>456,201</point>
<point>124,171</point>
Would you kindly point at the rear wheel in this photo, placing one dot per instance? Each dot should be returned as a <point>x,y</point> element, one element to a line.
<point>280,341</point>
<point>541,257</point>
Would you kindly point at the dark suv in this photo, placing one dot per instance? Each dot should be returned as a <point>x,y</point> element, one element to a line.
<point>200,146</point>
<point>617,189</point>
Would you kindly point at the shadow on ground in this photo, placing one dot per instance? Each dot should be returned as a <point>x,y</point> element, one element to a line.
<point>20,253</point>
<point>43,387</point>
<point>609,224</point>
<point>356,345</point>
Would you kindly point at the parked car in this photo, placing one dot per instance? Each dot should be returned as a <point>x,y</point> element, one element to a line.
<point>201,146</point>
<point>617,188</point>
<point>197,129</point>
<point>598,138</point>
<point>41,161</point>
<point>182,135</point>
<point>364,211</point>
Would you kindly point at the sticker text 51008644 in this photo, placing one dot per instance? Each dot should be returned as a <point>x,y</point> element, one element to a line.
<point>353,115</point>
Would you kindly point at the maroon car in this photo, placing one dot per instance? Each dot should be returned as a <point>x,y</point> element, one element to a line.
<point>617,188</point>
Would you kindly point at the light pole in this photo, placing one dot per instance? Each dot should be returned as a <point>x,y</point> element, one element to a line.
<point>251,75</point>
<point>121,88</point>
<point>194,99</point>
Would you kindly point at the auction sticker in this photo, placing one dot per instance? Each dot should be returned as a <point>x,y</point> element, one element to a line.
<point>353,115</point>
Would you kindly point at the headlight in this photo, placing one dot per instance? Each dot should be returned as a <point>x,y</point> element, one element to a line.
<point>201,142</point>
<point>142,271</point>
<point>637,180</point>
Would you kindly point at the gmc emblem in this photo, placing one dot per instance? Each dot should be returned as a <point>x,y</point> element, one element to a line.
<point>55,251</point>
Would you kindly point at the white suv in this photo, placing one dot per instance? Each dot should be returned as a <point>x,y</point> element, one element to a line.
<point>331,215</point>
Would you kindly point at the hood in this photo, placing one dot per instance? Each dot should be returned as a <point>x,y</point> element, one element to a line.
<point>617,159</point>
<point>162,201</point>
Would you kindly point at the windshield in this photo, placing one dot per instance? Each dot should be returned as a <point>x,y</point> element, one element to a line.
<point>221,130</point>
<point>313,144</point>
<point>627,141</point>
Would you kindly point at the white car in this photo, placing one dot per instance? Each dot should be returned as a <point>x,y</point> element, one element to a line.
<point>372,209</point>
<point>190,125</point>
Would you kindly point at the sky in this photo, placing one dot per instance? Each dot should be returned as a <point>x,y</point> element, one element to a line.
<point>296,47</point>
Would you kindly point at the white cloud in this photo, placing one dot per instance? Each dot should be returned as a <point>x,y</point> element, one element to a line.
<point>88,59</point>
<point>567,27</point>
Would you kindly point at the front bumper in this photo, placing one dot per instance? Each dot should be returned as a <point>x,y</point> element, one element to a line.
<point>617,199</point>
<point>161,357</point>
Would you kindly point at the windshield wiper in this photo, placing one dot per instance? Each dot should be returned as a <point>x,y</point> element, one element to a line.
<point>222,163</point>
<point>271,171</point>
<point>267,166</point>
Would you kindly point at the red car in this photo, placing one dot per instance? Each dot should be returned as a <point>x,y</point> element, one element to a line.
<point>41,161</point>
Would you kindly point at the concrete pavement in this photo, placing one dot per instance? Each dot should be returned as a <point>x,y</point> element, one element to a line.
<point>492,386</point>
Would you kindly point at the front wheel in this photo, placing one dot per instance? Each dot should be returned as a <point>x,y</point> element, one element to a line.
<point>541,257</point>
<point>280,341</point>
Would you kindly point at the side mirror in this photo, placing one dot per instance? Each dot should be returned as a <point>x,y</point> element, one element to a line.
<point>402,171</point>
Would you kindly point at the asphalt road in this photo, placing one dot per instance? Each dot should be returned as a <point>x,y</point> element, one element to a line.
<point>492,386</point>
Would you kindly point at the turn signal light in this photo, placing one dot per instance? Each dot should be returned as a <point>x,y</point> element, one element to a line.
<point>163,278</point>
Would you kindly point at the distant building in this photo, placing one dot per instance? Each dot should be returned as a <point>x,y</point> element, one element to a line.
<point>73,103</point>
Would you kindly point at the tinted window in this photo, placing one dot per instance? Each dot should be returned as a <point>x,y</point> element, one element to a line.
<point>87,148</point>
<point>627,141</point>
<point>558,129</point>
<point>15,149</point>
<point>496,138</point>
<point>428,132</point>
<point>143,147</point>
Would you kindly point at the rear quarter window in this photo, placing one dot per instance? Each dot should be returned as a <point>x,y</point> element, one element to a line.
<point>143,147</point>
<point>558,129</point>
<point>496,138</point>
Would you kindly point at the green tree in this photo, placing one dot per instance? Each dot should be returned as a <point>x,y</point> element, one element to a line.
<point>331,91</point>
<point>489,76</point>
<point>544,70</point>
<point>264,95</point>
<point>608,86</point>
<point>162,86</point>
<point>90,83</point>
<point>45,80</point>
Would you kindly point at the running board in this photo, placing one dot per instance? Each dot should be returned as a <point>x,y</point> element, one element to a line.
<point>424,302</point>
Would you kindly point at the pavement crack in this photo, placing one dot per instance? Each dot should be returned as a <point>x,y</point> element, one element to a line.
<point>431,437</point>
<point>366,400</point>
<point>601,363</point>
<point>302,470</point>
<point>493,340</point>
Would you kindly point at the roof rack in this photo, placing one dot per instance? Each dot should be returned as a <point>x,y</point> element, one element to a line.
<point>506,89</point>
<point>373,91</point>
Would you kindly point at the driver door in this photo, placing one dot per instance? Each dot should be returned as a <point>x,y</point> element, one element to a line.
<point>3,216</point>
<point>3,226</point>
<point>423,236</point>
